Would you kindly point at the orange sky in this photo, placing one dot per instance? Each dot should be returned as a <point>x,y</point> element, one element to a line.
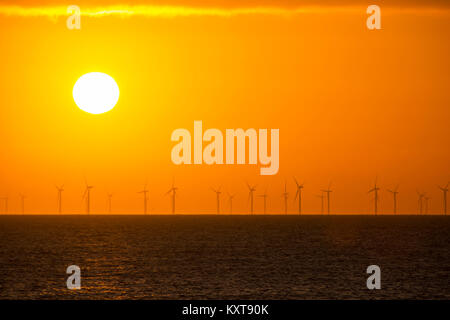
<point>350,104</point>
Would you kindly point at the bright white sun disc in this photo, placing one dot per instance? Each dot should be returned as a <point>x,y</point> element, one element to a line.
<point>96,92</point>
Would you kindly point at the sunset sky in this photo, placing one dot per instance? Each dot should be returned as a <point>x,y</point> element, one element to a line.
<point>351,104</point>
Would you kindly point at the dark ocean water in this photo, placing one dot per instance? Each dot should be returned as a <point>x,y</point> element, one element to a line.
<point>224,257</point>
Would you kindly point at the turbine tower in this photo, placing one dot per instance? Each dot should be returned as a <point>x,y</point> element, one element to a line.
<point>285,196</point>
<point>264,196</point>
<point>421,197</point>
<point>251,190</point>
<point>217,192</point>
<point>109,202</point>
<point>445,190</point>
<point>322,197</point>
<point>299,195</point>
<point>6,203</point>
<point>87,196</point>
<point>60,191</point>
<point>173,190</point>
<point>375,190</point>
<point>328,191</point>
<point>427,199</point>
<point>230,199</point>
<point>394,194</point>
<point>144,192</point>
<point>22,201</point>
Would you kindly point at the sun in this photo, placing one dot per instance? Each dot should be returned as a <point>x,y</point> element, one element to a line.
<point>95,92</point>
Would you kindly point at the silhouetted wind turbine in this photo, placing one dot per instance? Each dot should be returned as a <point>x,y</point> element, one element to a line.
<point>87,196</point>
<point>322,197</point>
<point>285,195</point>
<point>421,197</point>
<point>299,195</point>
<point>22,201</point>
<point>375,190</point>
<point>264,196</point>
<point>173,190</point>
<point>328,191</point>
<point>6,203</point>
<point>251,190</point>
<point>394,194</point>
<point>145,191</point>
<point>217,192</point>
<point>109,202</point>
<point>444,190</point>
<point>60,190</point>
<point>230,199</point>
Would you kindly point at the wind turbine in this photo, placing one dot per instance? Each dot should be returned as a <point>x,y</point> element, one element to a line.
<point>375,190</point>
<point>22,201</point>
<point>421,197</point>
<point>285,195</point>
<point>230,199</point>
<point>264,196</point>
<point>87,196</point>
<point>217,192</point>
<point>173,190</point>
<point>299,195</point>
<point>109,202</point>
<point>445,190</point>
<point>251,189</point>
<point>328,191</point>
<point>6,203</point>
<point>60,191</point>
<point>145,191</point>
<point>322,197</point>
<point>394,194</point>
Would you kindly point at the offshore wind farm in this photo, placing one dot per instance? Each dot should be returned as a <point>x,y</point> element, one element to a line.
<point>423,203</point>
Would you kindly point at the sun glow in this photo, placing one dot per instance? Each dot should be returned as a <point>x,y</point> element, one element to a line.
<point>96,92</point>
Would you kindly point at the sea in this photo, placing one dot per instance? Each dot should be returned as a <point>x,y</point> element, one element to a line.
<point>224,257</point>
